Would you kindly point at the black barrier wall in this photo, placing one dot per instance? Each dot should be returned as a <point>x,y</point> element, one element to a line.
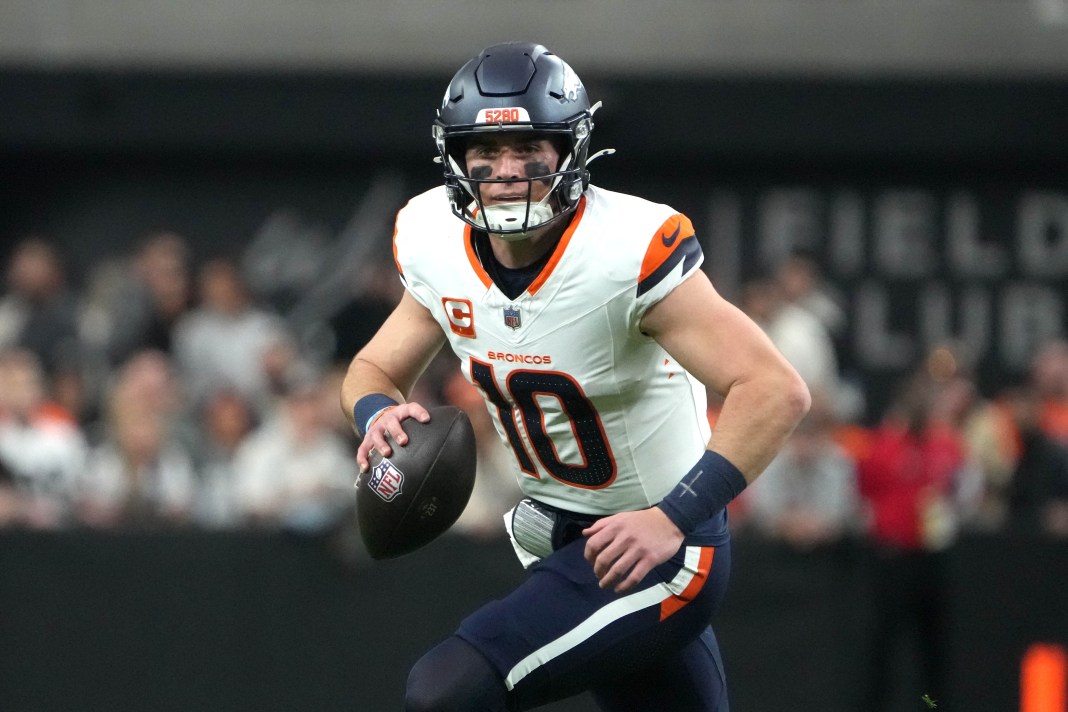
<point>100,622</point>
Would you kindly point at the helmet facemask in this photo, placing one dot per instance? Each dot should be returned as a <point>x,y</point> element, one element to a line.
<point>515,221</point>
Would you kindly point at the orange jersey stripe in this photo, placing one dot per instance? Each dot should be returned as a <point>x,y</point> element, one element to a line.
<point>469,245</point>
<point>558,252</point>
<point>560,247</point>
<point>670,235</point>
<point>671,605</point>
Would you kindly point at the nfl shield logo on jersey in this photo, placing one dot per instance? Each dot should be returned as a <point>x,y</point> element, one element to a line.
<point>511,317</point>
<point>386,480</point>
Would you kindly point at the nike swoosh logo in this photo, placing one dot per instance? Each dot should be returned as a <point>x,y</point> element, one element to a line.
<point>669,241</point>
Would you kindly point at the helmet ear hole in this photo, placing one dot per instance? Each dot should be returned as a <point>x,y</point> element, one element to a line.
<point>456,149</point>
<point>562,146</point>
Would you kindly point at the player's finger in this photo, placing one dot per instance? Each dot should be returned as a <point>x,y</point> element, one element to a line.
<point>419,413</point>
<point>379,442</point>
<point>607,559</point>
<point>594,528</point>
<point>619,570</point>
<point>396,431</point>
<point>362,454</point>
<point>637,573</point>
<point>596,543</point>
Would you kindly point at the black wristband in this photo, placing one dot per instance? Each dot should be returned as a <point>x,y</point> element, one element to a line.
<point>703,491</point>
<point>366,408</point>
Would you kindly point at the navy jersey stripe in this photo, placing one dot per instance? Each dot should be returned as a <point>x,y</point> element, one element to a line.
<point>689,250</point>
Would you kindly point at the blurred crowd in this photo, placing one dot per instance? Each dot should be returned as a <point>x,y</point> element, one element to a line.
<point>942,458</point>
<point>162,390</point>
<point>162,393</point>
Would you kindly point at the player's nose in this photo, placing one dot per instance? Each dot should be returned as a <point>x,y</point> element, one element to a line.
<point>508,165</point>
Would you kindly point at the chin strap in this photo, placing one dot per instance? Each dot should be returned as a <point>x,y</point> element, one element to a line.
<point>509,216</point>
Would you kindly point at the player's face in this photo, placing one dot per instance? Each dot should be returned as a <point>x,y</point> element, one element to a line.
<point>511,156</point>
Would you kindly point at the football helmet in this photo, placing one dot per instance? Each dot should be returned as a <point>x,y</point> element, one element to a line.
<point>520,87</point>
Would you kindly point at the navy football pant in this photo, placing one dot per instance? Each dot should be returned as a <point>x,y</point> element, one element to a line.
<point>559,634</point>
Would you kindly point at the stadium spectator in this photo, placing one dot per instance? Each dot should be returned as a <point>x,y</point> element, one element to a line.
<point>798,334</point>
<point>1049,376</point>
<point>151,377</point>
<point>801,280</point>
<point>993,441</point>
<point>1037,491</point>
<point>141,473</point>
<point>807,496</point>
<point>11,501</point>
<point>137,301</point>
<point>918,484</point>
<point>132,304</point>
<point>40,444</point>
<point>377,290</point>
<point>228,341</point>
<point>1019,439</point>
<point>226,420</point>
<point>294,471</point>
<point>39,311</point>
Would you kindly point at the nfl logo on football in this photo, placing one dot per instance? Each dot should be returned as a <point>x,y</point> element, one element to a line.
<point>511,318</point>
<point>386,480</point>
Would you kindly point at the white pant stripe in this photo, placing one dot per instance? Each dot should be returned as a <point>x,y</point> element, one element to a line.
<point>615,610</point>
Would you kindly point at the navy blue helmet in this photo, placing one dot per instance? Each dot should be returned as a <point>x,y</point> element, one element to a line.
<point>522,87</point>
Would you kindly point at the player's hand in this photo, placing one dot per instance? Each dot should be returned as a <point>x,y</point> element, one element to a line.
<point>388,422</point>
<point>624,547</point>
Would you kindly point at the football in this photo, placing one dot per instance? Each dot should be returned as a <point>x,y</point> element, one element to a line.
<point>410,498</point>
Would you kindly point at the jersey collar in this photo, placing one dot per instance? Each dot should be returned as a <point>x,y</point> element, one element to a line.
<point>539,281</point>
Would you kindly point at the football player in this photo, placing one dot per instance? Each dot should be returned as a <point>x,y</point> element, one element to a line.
<point>584,319</point>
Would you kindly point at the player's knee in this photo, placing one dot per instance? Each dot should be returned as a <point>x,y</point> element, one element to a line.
<point>454,677</point>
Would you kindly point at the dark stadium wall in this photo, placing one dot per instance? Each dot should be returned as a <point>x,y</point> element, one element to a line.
<point>938,207</point>
<point>266,622</point>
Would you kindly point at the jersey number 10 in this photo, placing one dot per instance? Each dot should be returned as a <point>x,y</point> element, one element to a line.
<point>598,467</point>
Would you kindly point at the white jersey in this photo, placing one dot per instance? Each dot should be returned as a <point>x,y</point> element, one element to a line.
<point>598,416</point>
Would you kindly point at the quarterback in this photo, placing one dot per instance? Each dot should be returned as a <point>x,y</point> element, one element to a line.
<point>583,317</point>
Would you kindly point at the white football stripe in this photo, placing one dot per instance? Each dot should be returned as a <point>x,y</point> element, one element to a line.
<point>615,610</point>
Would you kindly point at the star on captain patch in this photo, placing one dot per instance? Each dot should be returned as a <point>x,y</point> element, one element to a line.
<point>512,318</point>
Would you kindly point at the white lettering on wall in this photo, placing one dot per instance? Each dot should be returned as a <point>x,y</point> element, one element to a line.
<point>846,238</point>
<point>788,218</point>
<point>1042,234</point>
<point>969,255</point>
<point>904,233</point>
<point>1030,315</point>
<point>962,318</point>
<point>877,345</point>
<point>986,271</point>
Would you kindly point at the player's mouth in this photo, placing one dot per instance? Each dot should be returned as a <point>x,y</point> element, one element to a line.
<point>505,199</point>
